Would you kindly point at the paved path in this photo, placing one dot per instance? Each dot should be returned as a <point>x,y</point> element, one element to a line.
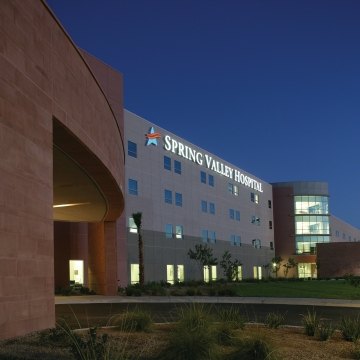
<point>100,299</point>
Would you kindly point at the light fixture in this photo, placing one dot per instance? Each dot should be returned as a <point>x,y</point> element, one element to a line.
<point>68,205</point>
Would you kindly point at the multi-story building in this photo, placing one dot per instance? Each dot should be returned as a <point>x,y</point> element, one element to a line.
<point>189,196</point>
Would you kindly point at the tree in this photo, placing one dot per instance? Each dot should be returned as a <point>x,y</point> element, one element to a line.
<point>137,220</point>
<point>276,263</point>
<point>203,254</point>
<point>230,267</point>
<point>291,263</point>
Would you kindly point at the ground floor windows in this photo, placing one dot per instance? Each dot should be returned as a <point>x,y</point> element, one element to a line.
<point>210,273</point>
<point>179,231</point>
<point>76,268</point>
<point>174,273</point>
<point>168,231</point>
<point>307,270</point>
<point>208,236</point>
<point>238,274</point>
<point>256,243</point>
<point>134,273</point>
<point>257,272</point>
<point>306,244</point>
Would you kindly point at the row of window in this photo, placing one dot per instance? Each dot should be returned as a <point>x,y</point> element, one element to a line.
<point>349,238</point>
<point>207,178</point>
<point>207,207</point>
<point>168,197</point>
<point>176,273</point>
<point>167,165</point>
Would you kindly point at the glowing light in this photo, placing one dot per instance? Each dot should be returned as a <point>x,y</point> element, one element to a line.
<point>68,205</point>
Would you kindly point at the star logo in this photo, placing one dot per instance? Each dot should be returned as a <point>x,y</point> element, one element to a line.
<point>152,137</point>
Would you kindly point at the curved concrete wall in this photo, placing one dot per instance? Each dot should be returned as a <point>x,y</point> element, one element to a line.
<point>43,76</point>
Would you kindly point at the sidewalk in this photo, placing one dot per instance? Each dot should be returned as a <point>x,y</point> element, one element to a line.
<point>100,299</point>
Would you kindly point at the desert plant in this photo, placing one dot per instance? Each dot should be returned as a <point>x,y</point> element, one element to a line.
<point>350,328</point>
<point>224,333</point>
<point>310,322</point>
<point>324,331</point>
<point>274,319</point>
<point>253,348</point>
<point>192,337</point>
<point>137,320</point>
<point>232,316</point>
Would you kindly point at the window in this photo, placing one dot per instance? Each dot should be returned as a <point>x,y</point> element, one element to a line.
<point>238,274</point>
<point>180,273</point>
<point>212,236</point>
<point>178,199</point>
<point>337,233</point>
<point>211,180</point>
<point>212,208</point>
<point>203,206</point>
<point>179,232</point>
<point>203,177</point>
<point>134,273</point>
<point>168,231</point>
<point>269,204</point>
<point>133,187</point>
<point>177,167</point>
<point>168,196</point>
<point>271,245</point>
<point>167,163</point>
<point>255,220</point>
<point>232,214</point>
<point>270,224</point>
<point>254,198</point>
<point>209,273</point>
<point>233,189</point>
<point>256,243</point>
<point>170,274</point>
<point>76,271</point>
<point>235,240</point>
<point>132,149</point>
<point>132,226</point>
<point>237,215</point>
<point>204,235</point>
<point>257,272</point>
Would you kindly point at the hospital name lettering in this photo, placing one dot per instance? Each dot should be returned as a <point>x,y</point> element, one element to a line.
<point>201,159</point>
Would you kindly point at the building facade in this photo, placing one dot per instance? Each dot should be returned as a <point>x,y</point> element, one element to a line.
<point>189,196</point>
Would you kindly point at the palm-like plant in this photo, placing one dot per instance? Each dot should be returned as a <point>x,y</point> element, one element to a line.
<point>137,220</point>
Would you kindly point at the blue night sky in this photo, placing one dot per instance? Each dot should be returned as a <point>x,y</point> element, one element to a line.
<point>271,86</point>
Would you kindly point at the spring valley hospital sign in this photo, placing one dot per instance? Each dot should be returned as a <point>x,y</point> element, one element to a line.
<point>203,159</point>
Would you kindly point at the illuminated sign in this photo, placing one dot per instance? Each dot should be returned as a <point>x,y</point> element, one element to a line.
<point>208,161</point>
<point>152,137</point>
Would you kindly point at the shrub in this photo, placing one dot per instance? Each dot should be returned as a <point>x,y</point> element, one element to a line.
<point>224,333</point>
<point>190,292</point>
<point>254,348</point>
<point>137,320</point>
<point>273,320</point>
<point>192,337</point>
<point>356,351</point>
<point>350,328</point>
<point>311,322</point>
<point>232,316</point>
<point>325,331</point>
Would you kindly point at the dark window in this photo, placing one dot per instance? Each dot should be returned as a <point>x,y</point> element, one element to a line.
<point>211,208</point>
<point>232,213</point>
<point>168,196</point>
<point>237,215</point>
<point>132,149</point>
<point>167,163</point>
<point>269,204</point>
<point>270,224</point>
<point>203,206</point>
<point>169,231</point>
<point>271,245</point>
<point>178,199</point>
<point>177,167</point>
<point>211,180</point>
<point>203,177</point>
<point>133,187</point>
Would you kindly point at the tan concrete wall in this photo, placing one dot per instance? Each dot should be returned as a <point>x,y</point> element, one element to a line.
<point>42,76</point>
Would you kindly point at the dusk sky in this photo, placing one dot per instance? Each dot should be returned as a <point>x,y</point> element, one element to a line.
<point>270,86</point>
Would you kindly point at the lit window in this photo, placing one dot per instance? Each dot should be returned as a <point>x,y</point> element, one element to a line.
<point>76,268</point>
<point>210,273</point>
<point>203,177</point>
<point>132,226</point>
<point>254,198</point>
<point>237,215</point>
<point>203,206</point>
<point>177,167</point>
<point>211,208</point>
<point>211,180</point>
<point>170,274</point>
<point>179,231</point>
<point>270,224</point>
<point>167,163</point>
<point>178,199</point>
<point>168,196</point>
<point>236,190</point>
<point>133,187</point>
<point>238,274</point>
<point>132,149</point>
<point>169,231</point>
<point>134,273</point>
<point>180,273</point>
<point>257,272</point>
<point>232,213</point>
